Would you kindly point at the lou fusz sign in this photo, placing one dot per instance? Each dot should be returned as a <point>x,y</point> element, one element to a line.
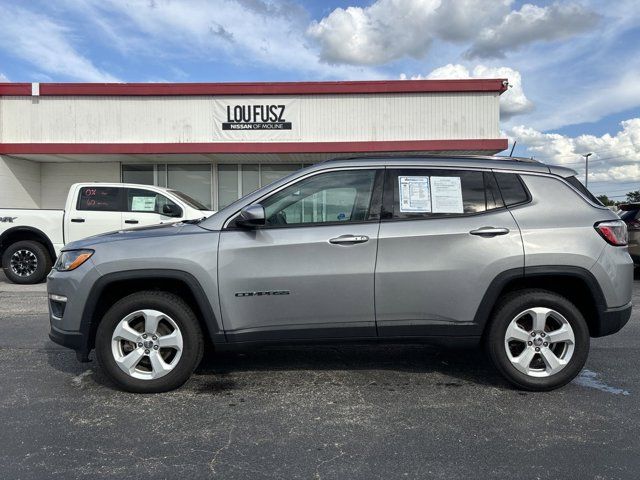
<point>256,117</point>
<point>263,118</point>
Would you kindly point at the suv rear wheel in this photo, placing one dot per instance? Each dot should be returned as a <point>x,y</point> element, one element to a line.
<point>538,339</point>
<point>149,342</point>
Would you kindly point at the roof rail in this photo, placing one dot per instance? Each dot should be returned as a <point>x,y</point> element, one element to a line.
<point>435,156</point>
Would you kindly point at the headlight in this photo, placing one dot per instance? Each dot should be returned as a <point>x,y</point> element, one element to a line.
<point>72,259</point>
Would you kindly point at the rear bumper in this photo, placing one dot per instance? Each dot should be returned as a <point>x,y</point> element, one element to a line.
<point>611,321</point>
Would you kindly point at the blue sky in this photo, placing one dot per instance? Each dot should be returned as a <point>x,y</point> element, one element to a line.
<point>574,66</point>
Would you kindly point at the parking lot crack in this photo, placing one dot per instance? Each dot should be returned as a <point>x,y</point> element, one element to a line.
<point>214,460</point>
<point>324,462</point>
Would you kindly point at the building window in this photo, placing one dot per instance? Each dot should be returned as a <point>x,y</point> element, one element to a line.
<point>141,174</point>
<point>236,181</point>
<point>227,185</point>
<point>250,178</point>
<point>194,180</point>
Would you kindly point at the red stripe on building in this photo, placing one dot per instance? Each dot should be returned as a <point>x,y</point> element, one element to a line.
<point>222,147</point>
<point>497,85</point>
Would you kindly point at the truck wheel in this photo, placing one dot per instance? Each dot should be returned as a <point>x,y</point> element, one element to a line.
<point>538,339</point>
<point>149,342</point>
<point>26,262</point>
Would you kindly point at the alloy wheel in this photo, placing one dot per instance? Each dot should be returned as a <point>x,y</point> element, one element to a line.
<point>539,342</point>
<point>147,344</point>
<point>23,262</point>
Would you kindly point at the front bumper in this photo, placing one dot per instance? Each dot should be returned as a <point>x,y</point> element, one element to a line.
<point>611,321</point>
<point>66,323</point>
<point>74,340</point>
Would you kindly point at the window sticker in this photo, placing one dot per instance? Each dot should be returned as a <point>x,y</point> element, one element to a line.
<point>415,194</point>
<point>143,204</point>
<point>447,195</point>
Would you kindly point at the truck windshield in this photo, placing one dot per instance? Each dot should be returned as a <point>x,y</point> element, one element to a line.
<point>188,200</point>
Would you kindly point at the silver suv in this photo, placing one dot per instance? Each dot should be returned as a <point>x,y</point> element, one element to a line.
<point>509,253</point>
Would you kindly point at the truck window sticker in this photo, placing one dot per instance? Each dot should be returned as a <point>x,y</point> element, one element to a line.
<point>446,195</point>
<point>415,194</point>
<point>143,204</point>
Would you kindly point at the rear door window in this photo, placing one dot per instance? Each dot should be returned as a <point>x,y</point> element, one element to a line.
<point>100,199</point>
<point>432,193</point>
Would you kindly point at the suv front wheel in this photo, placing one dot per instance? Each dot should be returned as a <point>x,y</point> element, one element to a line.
<point>149,342</point>
<point>538,339</point>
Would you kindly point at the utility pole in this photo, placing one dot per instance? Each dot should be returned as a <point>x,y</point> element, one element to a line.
<point>586,168</point>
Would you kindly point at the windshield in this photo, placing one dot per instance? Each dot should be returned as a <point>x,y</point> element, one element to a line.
<point>188,200</point>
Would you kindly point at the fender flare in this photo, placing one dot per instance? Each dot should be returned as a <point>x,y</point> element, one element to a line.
<point>498,284</point>
<point>24,228</point>
<point>88,324</point>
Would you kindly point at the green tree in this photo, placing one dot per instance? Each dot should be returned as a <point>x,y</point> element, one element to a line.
<point>633,197</point>
<point>605,200</point>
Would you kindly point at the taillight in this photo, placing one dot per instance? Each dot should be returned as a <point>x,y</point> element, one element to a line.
<point>613,231</point>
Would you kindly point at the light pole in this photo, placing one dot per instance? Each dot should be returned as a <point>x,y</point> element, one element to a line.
<point>586,168</point>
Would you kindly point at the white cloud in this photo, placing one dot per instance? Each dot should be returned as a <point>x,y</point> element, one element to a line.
<point>460,20</point>
<point>46,44</point>
<point>615,157</point>
<point>391,29</point>
<point>3,78</point>
<point>512,102</point>
<point>530,24</point>
<point>247,32</point>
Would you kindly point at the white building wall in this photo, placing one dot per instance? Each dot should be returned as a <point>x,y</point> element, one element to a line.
<point>180,119</point>
<point>19,183</point>
<point>58,177</point>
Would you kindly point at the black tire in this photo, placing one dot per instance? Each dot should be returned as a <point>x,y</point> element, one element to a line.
<point>42,258</point>
<point>511,306</point>
<point>182,315</point>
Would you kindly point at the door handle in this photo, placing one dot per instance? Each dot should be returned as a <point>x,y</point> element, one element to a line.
<point>77,220</point>
<point>131,221</point>
<point>349,239</point>
<point>489,231</point>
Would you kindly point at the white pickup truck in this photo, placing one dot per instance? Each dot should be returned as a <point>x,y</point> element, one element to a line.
<point>30,240</point>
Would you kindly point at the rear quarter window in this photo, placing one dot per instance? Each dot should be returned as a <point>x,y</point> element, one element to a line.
<point>512,189</point>
<point>577,184</point>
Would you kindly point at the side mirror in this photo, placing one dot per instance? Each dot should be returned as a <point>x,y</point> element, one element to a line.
<point>251,216</point>
<point>171,210</point>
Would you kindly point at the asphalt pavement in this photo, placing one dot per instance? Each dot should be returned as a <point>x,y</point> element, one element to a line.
<point>347,412</point>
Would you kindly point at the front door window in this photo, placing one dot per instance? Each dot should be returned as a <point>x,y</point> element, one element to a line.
<point>334,197</point>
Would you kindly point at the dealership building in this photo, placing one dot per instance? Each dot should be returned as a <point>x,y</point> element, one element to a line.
<point>219,141</point>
